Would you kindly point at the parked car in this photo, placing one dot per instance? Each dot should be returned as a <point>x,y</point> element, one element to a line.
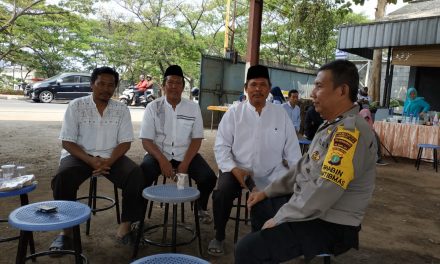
<point>64,86</point>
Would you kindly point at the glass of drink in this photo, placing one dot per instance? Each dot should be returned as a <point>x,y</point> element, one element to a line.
<point>20,171</point>
<point>8,171</point>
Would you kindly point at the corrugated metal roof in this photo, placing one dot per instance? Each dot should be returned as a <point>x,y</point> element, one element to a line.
<point>362,39</point>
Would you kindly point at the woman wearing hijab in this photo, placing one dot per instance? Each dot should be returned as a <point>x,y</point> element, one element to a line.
<point>277,95</point>
<point>414,105</point>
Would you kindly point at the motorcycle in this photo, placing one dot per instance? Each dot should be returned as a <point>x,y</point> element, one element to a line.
<point>127,97</point>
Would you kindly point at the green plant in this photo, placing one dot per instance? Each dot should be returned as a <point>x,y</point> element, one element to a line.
<point>373,106</point>
<point>394,102</point>
<point>10,91</point>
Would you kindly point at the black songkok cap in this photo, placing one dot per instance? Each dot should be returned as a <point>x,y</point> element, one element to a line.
<point>257,71</point>
<point>173,70</point>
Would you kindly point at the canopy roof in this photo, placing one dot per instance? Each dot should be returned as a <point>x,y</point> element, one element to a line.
<point>416,24</point>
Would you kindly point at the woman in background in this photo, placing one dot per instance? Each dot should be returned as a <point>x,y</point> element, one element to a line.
<point>277,95</point>
<point>417,106</point>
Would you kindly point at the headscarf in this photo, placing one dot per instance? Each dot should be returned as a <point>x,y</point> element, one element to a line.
<point>366,114</point>
<point>416,105</point>
<point>277,95</point>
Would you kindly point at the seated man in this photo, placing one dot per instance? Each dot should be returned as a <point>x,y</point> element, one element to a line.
<point>312,121</point>
<point>172,133</point>
<point>96,133</point>
<point>318,206</point>
<point>254,141</point>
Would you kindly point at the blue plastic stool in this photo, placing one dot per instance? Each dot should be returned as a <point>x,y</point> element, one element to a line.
<point>237,218</point>
<point>419,155</point>
<point>69,214</point>
<point>23,192</point>
<point>167,194</point>
<point>304,144</point>
<point>170,258</point>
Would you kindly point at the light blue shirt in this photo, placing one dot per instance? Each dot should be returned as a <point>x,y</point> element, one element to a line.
<point>294,114</point>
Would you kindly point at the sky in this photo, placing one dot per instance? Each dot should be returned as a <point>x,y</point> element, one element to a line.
<point>368,8</point>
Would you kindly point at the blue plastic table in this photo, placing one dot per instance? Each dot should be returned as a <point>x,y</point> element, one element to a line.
<point>170,259</point>
<point>69,214</point>
<point>24,199</point>
<point>167,194</point>
<point>304,144</point>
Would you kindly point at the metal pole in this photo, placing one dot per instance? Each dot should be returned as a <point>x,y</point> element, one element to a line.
<point>387,76</point>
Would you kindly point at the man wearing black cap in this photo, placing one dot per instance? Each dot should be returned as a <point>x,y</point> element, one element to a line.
<point>171,133</point>
<point>253,139</point>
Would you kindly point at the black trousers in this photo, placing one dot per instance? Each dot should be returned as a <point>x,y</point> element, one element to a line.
<point>291,239</point>
<point>228,189</point>
<point>198,170</point>
<point>124,173</point>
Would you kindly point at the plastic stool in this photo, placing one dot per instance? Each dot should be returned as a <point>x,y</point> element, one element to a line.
<point>91,201</point>
<point>170,258</point>
<point>304,144</point>
<point>24,200</point>
<point>419,155</point>
<point>237,218</point>
<point>170,194</point>
<point>182,208</point>
<point>69,214</point>
<point>326,258</point>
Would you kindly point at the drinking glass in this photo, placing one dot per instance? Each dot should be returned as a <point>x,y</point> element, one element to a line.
<point>8,171</point>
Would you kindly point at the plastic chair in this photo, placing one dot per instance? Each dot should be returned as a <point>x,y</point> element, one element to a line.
<point>167,194</point>
<point>28,218</point>
<point>434,150</point>
<point>91,201</point>
<point>170,258</point>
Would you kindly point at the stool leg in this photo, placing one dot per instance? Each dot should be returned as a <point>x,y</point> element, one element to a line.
<point>174,230</point>
<point>237,218</point>
<point>182,212</point>
<point>419,157</point>
<point>165,223</point>
<point>77,244</point>
<point>190,185</point>
<point>24,200</point>
<point>151,202</point>
<point>22,247</point>
<point>140,231</point>
<point>89,203</point>
<point>435,160</point>
<point>196,218</point>
<point>118,214</point>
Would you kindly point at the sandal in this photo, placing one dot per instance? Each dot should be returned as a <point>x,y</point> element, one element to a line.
<point>127,239</point>
<point>205,217</point>
<point>216,248</point>
<point>61,242</point>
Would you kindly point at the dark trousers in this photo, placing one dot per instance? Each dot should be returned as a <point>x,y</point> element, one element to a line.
<point>291,239</point>
<point>198,170</point>
<point>124,173</point>
<point>228,189</point>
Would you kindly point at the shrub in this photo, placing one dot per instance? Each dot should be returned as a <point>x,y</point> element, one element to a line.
<point>10,91</point>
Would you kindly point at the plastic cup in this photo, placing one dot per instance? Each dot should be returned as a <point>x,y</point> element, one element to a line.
<point>20,171</point>
<point>8,171</point>
<point>181,180</point>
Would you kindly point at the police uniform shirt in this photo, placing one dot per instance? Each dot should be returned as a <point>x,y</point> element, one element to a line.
<point>256,142</point>
<point>334,181</point>
<point>172,129</point>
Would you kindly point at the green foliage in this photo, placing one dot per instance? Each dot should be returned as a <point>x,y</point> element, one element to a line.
<point>10,91</point>
<point>394,102</point>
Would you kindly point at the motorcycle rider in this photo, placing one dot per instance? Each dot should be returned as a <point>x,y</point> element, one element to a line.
<point>141,88</point>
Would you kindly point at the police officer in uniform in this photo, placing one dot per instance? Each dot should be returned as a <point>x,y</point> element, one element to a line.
<point>318,206</point>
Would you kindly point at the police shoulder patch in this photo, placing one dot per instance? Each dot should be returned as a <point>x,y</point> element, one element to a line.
<point>338,162</point>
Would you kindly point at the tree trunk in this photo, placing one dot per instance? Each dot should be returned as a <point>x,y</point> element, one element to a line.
<point>375,76</point>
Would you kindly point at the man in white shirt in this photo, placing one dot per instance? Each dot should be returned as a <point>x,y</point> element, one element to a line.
<point>96,133</point>
<point>172,133</point>
<point>255,140</point>
<point>293,110</point>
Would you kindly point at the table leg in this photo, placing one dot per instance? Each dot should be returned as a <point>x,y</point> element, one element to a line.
<point>22,247</point>
<point>165,223</point>
<point>212,119</point>
<point>77,244</point>
<point>24,199</point>
<point>174,241</point>
<point>140,232</point>
<point>196,218</point>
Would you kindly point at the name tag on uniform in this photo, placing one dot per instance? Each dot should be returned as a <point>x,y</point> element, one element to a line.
<point>338,163</point>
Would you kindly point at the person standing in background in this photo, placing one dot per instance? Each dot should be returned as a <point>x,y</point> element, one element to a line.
<point>293,110</point>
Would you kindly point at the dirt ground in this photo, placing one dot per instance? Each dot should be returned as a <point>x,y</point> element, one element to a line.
<point>402,224</point>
